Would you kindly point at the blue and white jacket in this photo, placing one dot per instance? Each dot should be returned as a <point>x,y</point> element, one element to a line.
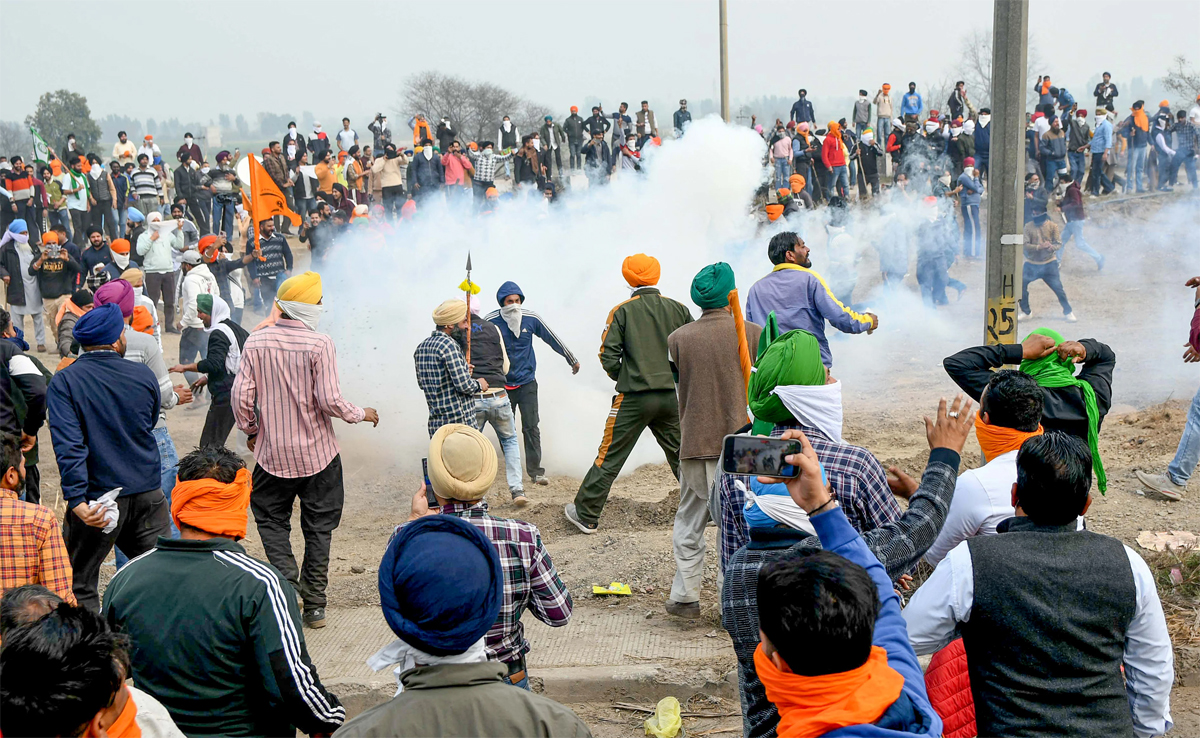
<point>522,363</point>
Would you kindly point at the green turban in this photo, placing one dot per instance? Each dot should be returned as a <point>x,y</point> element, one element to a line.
<point>711,287</point>
<point>794,358</point>
<point>204,303</point>
<point>1051,371</point>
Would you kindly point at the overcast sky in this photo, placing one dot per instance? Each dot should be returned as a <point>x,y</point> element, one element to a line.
<point>194,59</point>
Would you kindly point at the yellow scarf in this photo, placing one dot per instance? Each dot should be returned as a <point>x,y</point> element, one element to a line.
<point>997,441</point>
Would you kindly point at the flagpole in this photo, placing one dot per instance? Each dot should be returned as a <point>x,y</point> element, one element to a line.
<point>468,308</point>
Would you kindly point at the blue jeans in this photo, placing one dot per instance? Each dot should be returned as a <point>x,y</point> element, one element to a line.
<point>1049,274</point>
<point>223,216</point>
<point>883,129</point>
<point>1135,168</point>
<point>169,465</point>
<point>498,412</point>
<point>839,180</point>
<point>1074,230</point>
<point>1099,178</point>
<point>1052,168</point>
<point>783,170</point>
<point>1078,163</point>
<point>852,165</point>
<point>1189,164</point>
<point>972,234</point>
<point>1188,454</point>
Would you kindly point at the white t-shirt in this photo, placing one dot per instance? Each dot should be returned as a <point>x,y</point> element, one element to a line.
<point>345,139</point>
<point>79,200</point>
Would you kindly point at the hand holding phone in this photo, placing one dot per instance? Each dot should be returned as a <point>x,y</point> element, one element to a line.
<point>759,456</point>
<point>430,498</point>
<point>808,489</point>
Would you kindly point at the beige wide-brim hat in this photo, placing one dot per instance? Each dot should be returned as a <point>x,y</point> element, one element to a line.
<point>462,463</point>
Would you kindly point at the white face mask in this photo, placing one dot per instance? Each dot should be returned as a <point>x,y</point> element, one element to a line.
<point>291,150</point>
<point>121,260</point>
<point>867,138</point>
<point>187,140</point>
<point>488,152</point>
<point>507,125</point>
<point>931,126</point>
<point>969,171</point>
<point>537,144</point>
<point>1100,119</point>
<point>428,152</point>
<point>985,119</point>
<point>194,165</point>
<point>955,131</point>
<point>204,170</point>
<point>512,317</point>
<point>944,179</point>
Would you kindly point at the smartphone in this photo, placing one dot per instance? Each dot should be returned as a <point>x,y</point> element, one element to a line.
<point>429,497</point>
<point>759,455</point>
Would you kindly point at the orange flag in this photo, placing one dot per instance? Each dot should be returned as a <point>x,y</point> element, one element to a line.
<point>266,201</point>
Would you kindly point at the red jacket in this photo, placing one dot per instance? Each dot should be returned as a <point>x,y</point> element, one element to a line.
<point>949,687</point>
<point>831,152</point>
<point>893,143</point>
<point>1194,337</point>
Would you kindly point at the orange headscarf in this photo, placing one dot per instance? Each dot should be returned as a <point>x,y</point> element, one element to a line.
<point>996,440</point>
<point>126,726</point>
<point>641,270</point>
<point>834,129</point>
<point>816,705</point>
<point>1140,119</point>
<point>773,212</point>
<point>208,248</point>
<point>886,87</point>
<point>213,506</point>
<point>143,321</point>
<point>797,182</point>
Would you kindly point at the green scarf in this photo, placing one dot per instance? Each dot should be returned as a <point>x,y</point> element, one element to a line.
<point>87,189</point>
<point>793,358</point>
<point>770,333</point>
<point>1051,371</point>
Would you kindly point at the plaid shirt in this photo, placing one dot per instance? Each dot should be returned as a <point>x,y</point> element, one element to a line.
<point>898,546</point>
<point>856,478</point>
<point>31,548</point>
<point>530,579</point>
<point>443,376</point>
<point>485,166</point>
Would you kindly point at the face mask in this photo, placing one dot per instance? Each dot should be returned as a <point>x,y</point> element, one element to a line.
<point>487,152</point>
<point>1100,119</point>
<point>931,126</point>
<point>292,130</point>
<point>428,152</point>
<point>944,179</point>
<point>193,165</point>
<point>512,317</point>
<point>968,171</point>
<point>121,260</point>
<point>21,237</point>
<point>507,126</point>
<point>867,138</point>
<point>204,170</point>
<point>1031,186</point>
<point>537,144</point>
<point>188,140</point>
<point>985,119</point>
<point>291,150</point>
<point>956,131</point>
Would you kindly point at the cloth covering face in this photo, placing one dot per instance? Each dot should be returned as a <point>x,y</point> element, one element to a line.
<point>792,359</point>
<point>712,285</point>
<point>641,270</point>
<point>213,506</point>
<point>996,440</point>
<point>462,463</point>
<point>1051,371</point>
<point>305,288</point>
<point>440,584</point>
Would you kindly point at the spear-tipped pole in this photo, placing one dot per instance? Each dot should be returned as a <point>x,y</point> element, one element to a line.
<point>468,307</point>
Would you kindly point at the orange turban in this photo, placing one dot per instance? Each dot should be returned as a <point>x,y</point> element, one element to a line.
<point>342,157</point>
<point>142,321</point>
<point>208,248</point>
<point>49,237</point>
<point>886,87</point>
<point>640,270</point>
<point>1165,104</point>
<point>797,182</point>
<point>120,245</point>
<point>212,506</point>
<point>773,212</point>
<point>834,129</point>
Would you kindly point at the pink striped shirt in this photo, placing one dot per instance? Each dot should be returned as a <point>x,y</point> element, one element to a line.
<point>289,374</point>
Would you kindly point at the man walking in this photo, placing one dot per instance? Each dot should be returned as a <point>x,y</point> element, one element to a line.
<point>707,363</point>
<point>1101,149</point>
<point>1071,206</point>
<point>633,352</point>
<point>518,326</point>
<point>1043,244</point>
<point>102,414</point>
<point>284,397</point>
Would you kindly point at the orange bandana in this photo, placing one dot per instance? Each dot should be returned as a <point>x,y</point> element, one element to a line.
<point>997,441</point>
<point>143,322</point>
<point>815,705</point>
<point>212,506</point>
<point>126,725</point>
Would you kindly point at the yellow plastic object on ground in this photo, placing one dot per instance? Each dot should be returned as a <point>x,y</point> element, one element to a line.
<point>616,588</point>
<point>666,721</point>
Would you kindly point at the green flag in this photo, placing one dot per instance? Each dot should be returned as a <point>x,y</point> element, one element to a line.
<point>41,152</point>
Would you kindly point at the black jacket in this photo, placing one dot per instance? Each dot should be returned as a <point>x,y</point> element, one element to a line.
<point>596,123</point>
<point>19,374</point>
<point>10,266</point>
<point>187,181</point>
<point>971,369</point>
<point>220,382</point>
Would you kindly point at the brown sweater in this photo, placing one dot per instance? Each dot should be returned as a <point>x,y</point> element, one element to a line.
<point>712,392</point>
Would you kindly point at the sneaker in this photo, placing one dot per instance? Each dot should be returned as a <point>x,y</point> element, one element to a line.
<point>519,498</point>
<point>689,610</point>
<point>1160,486</point>
<point>41,348</point>
<point>541,479</point>
<point>569,511</point>
<point>315,617</point>
<point>1100,264</point>
<point>1070,318</point>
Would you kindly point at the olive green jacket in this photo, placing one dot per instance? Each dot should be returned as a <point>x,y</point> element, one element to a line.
<point>633,348</point>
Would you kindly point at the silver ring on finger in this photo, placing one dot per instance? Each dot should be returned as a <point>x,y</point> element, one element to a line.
<point>952,414</point>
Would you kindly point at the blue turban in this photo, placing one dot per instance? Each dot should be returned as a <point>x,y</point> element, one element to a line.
<point>135,215</point>
<point>440,584</point>
<point>18,226</point>
<point>100,326</point>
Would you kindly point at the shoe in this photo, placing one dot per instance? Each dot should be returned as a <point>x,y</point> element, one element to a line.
<point>569,511</point>
<point>315,618</point>
<point>519,499</point>
<point>1027,315</point>
<point>1070,318</point>
<point>541,479</point>
<point>683,609</point>
<point>1100,264</point>
<point>1160,486</point>
<point>41,348</point>
<point>960,291</point>
<point>170,329</point>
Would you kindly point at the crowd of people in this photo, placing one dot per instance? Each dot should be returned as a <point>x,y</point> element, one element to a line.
<point>809,567</point>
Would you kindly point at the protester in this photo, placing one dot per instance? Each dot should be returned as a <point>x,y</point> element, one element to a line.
<point>102,415</point>
<point>34,552</point>
<point>633,353</point>
<point>1136,130</point>
<point>428,174</point>
<point>597,159</point>
<point>799,297</point>
<point>710,361</point>
<point>272,262</point>
<point>1105,92</point>
<point>802,109</point>
<point>155,245</point>
<point>442,370</point>
<point>249,674</point>
<point>17,254</point>
<point>441,587</point>
<point>57,273</point>
<point>681,119</point>
<point>291,435</point>
<point>1028,671</point>
<point>79,303</point>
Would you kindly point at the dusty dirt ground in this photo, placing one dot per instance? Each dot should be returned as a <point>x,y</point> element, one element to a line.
<point>1137,304</point>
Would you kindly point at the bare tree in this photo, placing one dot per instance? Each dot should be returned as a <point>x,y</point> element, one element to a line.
<point>975,52</point>
<point>15,139</point>
<point>936,95</point>
<point>475,108</point>
<point>1182,79</point>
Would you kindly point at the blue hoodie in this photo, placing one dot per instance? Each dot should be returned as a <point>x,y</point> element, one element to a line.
<point>522,363</point>
<point>911,713</point>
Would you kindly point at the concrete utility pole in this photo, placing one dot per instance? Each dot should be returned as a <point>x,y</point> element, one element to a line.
<point>1006,204</point>
<point>724,63</point>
